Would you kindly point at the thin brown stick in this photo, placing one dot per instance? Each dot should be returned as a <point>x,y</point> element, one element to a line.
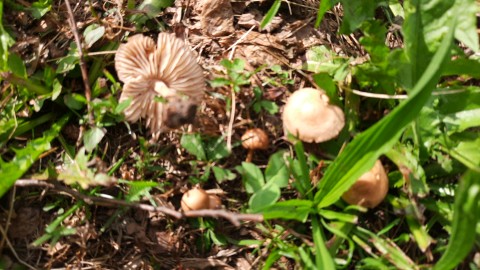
<point>10,246</point>
<point>83,65</point>
<point>234,218</point>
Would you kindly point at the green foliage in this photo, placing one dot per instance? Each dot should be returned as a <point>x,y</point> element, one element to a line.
<point>24,158</point>
<point>78,172</point>
<point>360,155</point>
<point>465,221</point>
<point>265,188</point>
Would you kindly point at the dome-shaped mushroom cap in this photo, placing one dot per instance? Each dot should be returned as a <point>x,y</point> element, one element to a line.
<point>370,189</point>
<point>255,138</point>
<point>309,116</point>
<point>167,70</point>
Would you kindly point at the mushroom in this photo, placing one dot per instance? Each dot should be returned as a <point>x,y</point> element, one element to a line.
<point>214,202</point>
<point>309,116</point>
<point>195,199</point>
<point>370,189</point>
<point>163,81</point>
<point>254,139</point>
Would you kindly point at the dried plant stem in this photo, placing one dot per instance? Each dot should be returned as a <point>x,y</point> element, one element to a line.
<point>83,65</point>
<point>230,124</point>
<point>10,246</point>
<point>234,218</point>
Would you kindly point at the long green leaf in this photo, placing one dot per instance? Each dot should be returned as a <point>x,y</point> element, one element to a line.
<point>387,248</point>
<point>24,158</point>
<point>360,155</point>
<point>466,215</point>
<point>323,259</point>
<point>271,13</point>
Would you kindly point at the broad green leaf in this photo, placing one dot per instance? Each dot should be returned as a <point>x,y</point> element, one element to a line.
<point>266,196</point>
<point>24,158</point>
<point>57,89</point>
<point>466,217</point>
<point>466,31</point>
<point>467,152</point>
<point>193,144</point>
<point>92,34</point>
<point>252,177</point>
<point>321,59</point>
<point>290,210</point>
<point>355,13</point>
<point>222,175</point>
<point>271,13</point>
<point>463,66</point>
<point>69,61</point>
<point>277,170</point>
<point>17,65</point>
<point>360,154</point>
<point>216,148</point>
<point>462,120</point>
<point>93,137</point>
<point>40,8</point>
<point>138,189</point>
<point>74,101</point>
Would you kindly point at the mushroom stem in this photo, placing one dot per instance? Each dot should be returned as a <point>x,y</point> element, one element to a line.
<point>249,156</point>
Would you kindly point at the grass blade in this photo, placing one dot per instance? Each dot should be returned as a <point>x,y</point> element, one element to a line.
<point>360,155</point>
<point>271,13</point>
<point>322,256</point>
<point>465,218</point>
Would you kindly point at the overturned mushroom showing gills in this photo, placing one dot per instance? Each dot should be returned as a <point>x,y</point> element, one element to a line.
<point>163,81</point>
<point>370,189</point>
<point>309,116</point>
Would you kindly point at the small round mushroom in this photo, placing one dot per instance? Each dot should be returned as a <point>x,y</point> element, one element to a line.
<point>370,189</point>
<point>195,199</point>
<point>163,81</point>
<point>309,116</point>
<point>254,139</point>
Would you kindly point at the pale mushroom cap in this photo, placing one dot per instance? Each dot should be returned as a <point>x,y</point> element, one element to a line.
<point>309,116</point>
<point>195,199</point>
<point>168,70</point>
<point>255,138</point>
<point>370,189</point>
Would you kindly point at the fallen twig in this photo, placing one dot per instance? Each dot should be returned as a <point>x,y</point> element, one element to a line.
<point>234,218</point>
<point>83,65</point>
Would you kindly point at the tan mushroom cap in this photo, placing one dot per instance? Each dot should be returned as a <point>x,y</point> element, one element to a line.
<point>167,69</point>
<point>195,199</point>
<point>370,189</point>
<point>255,138</point>
<point>309,116</point>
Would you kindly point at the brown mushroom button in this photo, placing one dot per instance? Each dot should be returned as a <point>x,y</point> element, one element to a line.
<point>167,70</point>
<point>309,116</point>
<point>195,199</point>
<point>370,189</point>
<point>255,138</point>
